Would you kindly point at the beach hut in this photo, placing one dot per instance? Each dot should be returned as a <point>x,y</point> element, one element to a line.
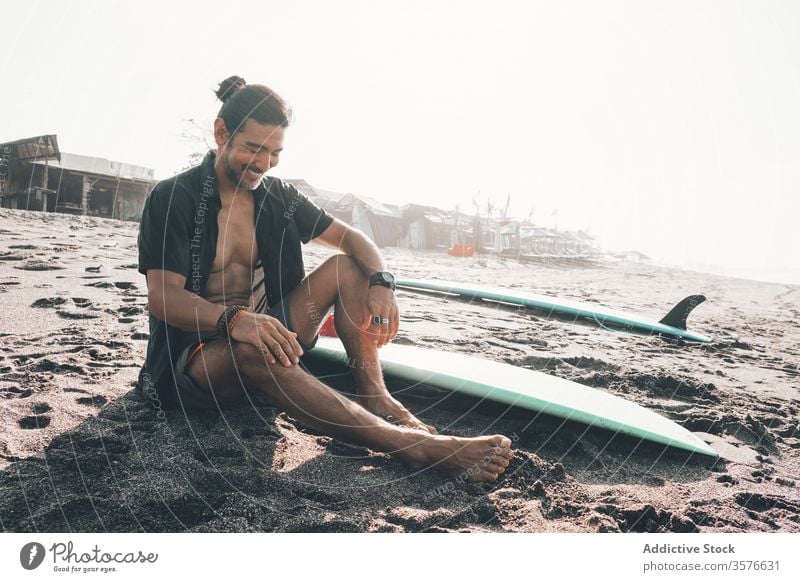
<point>23,185</point>
<point>41,177</point>
<point>383,223</point>
<point>588,244</point>
<point>536,240</point>
<point>426,227</point>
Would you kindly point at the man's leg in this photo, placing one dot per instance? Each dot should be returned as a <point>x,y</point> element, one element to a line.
<point>339,282</point>
<point>223,368</point>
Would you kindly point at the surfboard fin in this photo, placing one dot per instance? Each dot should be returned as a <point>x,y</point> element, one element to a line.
<point>678,314</point>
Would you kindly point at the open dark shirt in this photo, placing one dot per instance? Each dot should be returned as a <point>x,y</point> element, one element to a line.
<point>178,232</point>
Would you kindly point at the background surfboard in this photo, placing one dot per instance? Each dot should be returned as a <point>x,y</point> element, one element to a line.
<point>673,324</point>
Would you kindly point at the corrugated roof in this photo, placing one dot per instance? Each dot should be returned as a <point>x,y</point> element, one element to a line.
<point>40,147</point>
<point>102,167</point>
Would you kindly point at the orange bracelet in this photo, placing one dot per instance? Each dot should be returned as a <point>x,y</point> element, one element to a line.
<point>233,320</point>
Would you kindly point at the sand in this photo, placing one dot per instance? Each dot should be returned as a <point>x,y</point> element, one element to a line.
<point>80,451</point>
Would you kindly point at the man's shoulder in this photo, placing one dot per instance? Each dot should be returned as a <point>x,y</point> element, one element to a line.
<point>279,187</point>
<point>282,195</point>
<point>178,187</point>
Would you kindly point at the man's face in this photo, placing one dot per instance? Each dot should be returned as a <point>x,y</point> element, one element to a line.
<point>250,153</point>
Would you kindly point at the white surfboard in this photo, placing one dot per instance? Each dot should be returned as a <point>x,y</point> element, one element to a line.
<point>523,388</point>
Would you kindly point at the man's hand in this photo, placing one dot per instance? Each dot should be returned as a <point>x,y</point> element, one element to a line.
<point>381,302</point>
<point>269,335</point>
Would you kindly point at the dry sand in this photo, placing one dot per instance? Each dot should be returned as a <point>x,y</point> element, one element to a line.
<point>80,451</point>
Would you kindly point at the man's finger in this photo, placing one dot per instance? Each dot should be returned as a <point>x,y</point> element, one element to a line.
<point>264,349</point>
<point>298,349</point>
<point>367,320</point>
<point>387,335</point>
<point>275,347</point>
<point>288,341</point>
<point>395,323</point>
<point>290,344</point>
<point>383,329</point>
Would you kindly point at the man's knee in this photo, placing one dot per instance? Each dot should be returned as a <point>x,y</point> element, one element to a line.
<point>346,268</point>
<point>348,275</point>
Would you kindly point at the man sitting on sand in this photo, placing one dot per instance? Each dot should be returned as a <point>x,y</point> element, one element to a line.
<point>203,235</point>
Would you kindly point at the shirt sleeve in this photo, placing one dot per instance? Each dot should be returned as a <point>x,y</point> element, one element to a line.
<point>164,232</point>
<point>311,220</point>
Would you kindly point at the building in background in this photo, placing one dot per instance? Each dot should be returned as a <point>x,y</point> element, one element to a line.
<point>36,175</point>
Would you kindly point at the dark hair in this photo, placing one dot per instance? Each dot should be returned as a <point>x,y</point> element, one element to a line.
<point>241,102</point>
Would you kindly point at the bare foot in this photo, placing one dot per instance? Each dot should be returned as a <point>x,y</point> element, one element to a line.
<point>388,408</point>
<point>477,459</point>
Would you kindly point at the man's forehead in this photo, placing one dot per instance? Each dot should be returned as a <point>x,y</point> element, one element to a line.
<point>259,134</point>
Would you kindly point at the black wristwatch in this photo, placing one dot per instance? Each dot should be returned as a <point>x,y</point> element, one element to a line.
<point>383,278</point>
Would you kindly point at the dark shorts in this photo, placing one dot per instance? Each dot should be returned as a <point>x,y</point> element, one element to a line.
<point>193,396</point>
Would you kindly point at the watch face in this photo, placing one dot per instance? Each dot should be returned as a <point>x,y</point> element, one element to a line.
<point>388,277</point>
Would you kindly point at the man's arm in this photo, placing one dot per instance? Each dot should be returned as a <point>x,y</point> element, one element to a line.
<point>353,242</point>
<point>169,301</point>
<point>380,299</point>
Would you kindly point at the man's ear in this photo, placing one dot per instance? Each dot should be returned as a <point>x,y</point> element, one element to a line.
<point>220,132</point>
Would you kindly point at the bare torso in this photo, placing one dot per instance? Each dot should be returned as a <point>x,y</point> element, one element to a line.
<point>231,279</point>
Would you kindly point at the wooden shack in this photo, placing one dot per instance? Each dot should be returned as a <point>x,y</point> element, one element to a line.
<point>36,175</point>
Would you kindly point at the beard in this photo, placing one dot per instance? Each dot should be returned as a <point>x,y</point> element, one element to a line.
<point>240,178</point>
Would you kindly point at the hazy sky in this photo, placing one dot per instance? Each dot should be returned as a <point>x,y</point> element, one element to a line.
<point>669,127</point>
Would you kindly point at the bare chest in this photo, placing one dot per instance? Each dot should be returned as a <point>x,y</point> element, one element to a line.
<point>236,241</point>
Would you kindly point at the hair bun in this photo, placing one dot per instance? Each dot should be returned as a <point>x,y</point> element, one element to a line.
<point>229,86</point>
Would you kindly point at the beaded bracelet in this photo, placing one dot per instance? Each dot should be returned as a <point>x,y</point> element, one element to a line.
<point>228,317</point>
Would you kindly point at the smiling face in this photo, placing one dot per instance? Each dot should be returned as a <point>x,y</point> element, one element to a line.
<point>247,155</point>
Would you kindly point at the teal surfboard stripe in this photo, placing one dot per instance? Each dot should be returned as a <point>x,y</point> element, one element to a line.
<point>601,315</point>
<point>523,388</point>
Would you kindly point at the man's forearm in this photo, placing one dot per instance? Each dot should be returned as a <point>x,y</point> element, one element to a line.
<point>366,254</point>
<point>188,311</point>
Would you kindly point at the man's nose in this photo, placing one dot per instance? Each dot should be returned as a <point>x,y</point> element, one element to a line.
<point>261,163</point>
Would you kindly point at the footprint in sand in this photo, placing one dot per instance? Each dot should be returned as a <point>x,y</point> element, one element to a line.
<point>48,302</point>
<point>82,303</point>
<point>124,285</point>
<point>76,314</point>
<point>41,407</point>
<point>4,284</point>
<point>38,420</point>
<point>129,310</point>
<point>15,392</point>
<point>36,265</point>
<point>5,256</point>
<point>96,400</point>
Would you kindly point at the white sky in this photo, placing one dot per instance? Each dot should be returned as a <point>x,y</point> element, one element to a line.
<point>669,127</point>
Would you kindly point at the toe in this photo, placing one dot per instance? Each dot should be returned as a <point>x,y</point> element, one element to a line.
<point>500,452</point>
<point>501,441</point>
